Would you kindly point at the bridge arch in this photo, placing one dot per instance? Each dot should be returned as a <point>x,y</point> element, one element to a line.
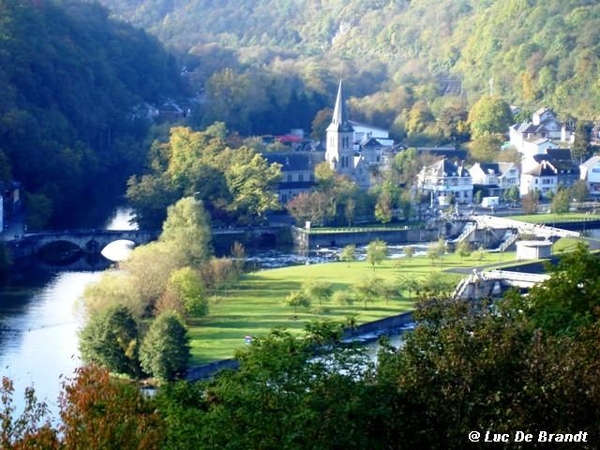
<point>82,241</point>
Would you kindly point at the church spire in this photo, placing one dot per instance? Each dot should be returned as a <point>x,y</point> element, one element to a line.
<point>340,122</point>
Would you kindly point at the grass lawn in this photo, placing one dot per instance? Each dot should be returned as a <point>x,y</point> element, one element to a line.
<point>254,307</point>
<point>550,218</point>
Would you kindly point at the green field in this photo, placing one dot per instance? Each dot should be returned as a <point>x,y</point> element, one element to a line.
<point>254,306</point>
<point>549,218</point>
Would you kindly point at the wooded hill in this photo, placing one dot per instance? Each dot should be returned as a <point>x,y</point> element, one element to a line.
<point>530,52</point>
<point>70,82</point>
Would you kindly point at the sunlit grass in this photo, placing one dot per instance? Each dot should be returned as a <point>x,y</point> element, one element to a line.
<point>550,218</point>
<point>254,306</point>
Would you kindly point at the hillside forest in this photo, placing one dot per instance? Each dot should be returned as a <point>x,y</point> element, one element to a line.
<point>84,85</point>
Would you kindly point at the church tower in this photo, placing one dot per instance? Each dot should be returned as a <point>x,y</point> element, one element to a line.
<point>339,151</point>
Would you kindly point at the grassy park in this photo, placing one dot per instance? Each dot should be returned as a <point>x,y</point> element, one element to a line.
<point>549,218</point>
<point>254,305</point>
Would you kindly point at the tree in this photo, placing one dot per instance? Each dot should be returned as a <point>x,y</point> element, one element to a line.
<point>320,123</point>
<point>31,428</point>
<point>218,273</point>
<point>418,117</point>
<point>350,211</point>
<point>150,196</point>
<point>479,254</point>
<point>187,232</point>
<point>325,177</point>
<point>235,98</point>
<point>348,253</point>
<point>317,289</point>
<point>111,290</point>
<point>511,195</point>
<point>436,250</point>
<point>561,202</point>
<point>406,166</point>
<point>383,208</point>
<point>310,206</point>
<point>409,251</point>
<point>111,339</point>
<point>376,252</point>
<point>297,299</point>
<point>238,254</point>
<point>368,290</point>
<point>581,148</point>
<point>342,298</point>
<point>186,286</point>
<point>530,202</point>
<point>251,181</point>
<point>149,267</point>
<point>463,249</point>
<point>280,380</point>
<point>486,148</point>
<point>98,411</point>
<point>489,115</point>
<point>165,349</point>
<point>39,210</point>
<point>569,299</point>
<point>579,191</point>
<point>411,284</point>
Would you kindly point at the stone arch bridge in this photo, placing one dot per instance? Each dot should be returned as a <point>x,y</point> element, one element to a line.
<point>88,241</point>
<point>92,241</point>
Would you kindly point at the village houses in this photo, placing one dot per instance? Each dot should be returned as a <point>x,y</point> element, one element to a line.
<point>357,151</point>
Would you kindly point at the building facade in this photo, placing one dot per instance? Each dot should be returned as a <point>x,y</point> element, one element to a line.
<point>444,180</point>
<point>589,171</point>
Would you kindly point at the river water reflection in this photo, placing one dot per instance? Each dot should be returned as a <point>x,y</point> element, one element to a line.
<point>39,320</point>
<point>38,329</point>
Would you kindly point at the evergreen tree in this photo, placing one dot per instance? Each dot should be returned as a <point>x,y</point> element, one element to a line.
<point>165,349</point>
<point>111,339</point>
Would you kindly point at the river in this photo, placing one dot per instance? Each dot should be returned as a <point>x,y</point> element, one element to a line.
<point>39,320</point>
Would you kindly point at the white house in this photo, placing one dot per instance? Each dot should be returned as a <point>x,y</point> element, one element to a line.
<point>496,178</point>
<point>548,172</point>
<point>537,146</point>
<point>531,137</point>
<point>589,171</point>
<point>445,179</point>
<point>363,132</point>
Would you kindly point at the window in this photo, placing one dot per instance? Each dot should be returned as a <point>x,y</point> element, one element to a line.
<point>289,177</point>
<point>345,142</point>
<point>344,162</point>
<point>300,177</point>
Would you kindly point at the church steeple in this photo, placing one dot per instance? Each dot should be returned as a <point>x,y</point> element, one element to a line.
<point>340,122</point>
<point>340,137</point>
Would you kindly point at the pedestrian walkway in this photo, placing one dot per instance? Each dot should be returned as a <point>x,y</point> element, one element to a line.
<point>539,230</point>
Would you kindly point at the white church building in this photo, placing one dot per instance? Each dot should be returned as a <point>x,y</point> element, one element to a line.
<point>353,149</point>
